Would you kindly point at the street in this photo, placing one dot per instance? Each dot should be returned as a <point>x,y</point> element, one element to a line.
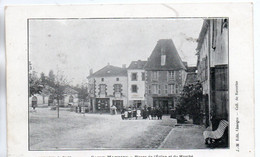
<point>74,131</point>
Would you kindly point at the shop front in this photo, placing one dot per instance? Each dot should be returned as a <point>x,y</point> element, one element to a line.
<point>102,105</point>
<point>164,103</point>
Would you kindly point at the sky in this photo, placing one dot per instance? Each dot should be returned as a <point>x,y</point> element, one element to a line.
<point>74,46</point>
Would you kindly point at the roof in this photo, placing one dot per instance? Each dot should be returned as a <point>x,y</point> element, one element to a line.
<point>137,64</point>
<point>172,61</point>
<point>185,64</point>
<point>69,90</point>
<point>109,71</point>
<point>192,69</point>
<point>191,78</point>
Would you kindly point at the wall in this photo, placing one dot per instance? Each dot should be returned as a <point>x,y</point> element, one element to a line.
<point>203,64</point>
<point>140,95</point>
<point>110,81</point>
<point>219,55</point>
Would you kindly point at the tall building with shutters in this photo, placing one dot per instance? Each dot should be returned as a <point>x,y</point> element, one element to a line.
<point>165,76</point>
<point>136,83</point>
<point>108,87</point>
<point>212,65</point>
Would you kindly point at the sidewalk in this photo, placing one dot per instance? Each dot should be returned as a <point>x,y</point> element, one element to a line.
<point>184,137</point>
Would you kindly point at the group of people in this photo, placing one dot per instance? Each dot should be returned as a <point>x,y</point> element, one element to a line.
<point>141,113</point>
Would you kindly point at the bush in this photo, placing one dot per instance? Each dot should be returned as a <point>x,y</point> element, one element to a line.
<point>189,102</point>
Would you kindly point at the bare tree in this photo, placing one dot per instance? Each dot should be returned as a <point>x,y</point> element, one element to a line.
<point>58,83</point>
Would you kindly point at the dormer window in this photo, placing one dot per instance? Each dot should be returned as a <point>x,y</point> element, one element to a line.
<point>163,57</point>
<point>163,60</point>
<point>102,79</point>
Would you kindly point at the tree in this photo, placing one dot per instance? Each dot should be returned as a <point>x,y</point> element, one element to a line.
<point>35,86</point>
<point>83,92</point>
<point>58,84</point>
<point>189,102</point>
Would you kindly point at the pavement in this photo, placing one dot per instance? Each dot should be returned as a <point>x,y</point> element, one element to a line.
<point>184,137</point>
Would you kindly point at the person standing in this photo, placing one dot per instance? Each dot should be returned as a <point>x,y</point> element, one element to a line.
<point>153,114</point>
<point>129,113</point>
<point>149,112</point>
<point>134,113</point>
<point>159,113</point>
<point>123,113</point>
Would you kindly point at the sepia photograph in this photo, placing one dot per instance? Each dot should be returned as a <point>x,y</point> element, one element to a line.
<point>128,83</point>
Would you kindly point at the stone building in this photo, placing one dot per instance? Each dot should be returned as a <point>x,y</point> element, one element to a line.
<point>212,64</point>
<point>166,75</point>
<point>107,87</point>
<point>70,98</point>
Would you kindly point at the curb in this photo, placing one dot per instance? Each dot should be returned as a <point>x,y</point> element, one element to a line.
<point>166,138</point>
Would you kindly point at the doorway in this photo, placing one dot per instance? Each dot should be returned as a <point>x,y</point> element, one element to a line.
<point>164,103</point>
<point>119,104</point>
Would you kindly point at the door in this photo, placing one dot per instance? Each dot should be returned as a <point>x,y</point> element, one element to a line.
<point>103,105</point>
<point>119,104</point>
<point>164,103</point>
<point>165,107</point>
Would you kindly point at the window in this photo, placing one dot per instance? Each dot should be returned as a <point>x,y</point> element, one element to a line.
<point>166,89</point>
<point>117,79</point>
<point>134,88</point>
<point>71,99</point>
<point>149,89</point>
<point>163,60</point>
<point>176,88</point>
<point>143,76</point>
<point>134,77</point>
<point>172,89</point>
<point>163,57</point>
<point>155,75</point>
<point>117,88</point>
<point>102,79</point>
<point>171,75</point>
<point>159,89</point>
<point>102,89</point>
<point>155,88</point>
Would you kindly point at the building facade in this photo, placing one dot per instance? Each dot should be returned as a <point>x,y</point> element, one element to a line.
<point>165,76</point>
<point>136,84</point>
<point>212,64</point>
<point>70,98</point>
<point>108,87</point>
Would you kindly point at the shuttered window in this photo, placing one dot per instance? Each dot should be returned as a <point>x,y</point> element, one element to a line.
<point>134,88</point>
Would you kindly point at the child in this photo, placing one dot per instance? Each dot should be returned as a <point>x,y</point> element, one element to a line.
<point>138,113</point>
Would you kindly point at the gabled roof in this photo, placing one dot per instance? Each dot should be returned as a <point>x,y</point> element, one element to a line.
<point>137,64</point>
<point>109,71</point>
<point>69,90</point>
<point>173,60</point>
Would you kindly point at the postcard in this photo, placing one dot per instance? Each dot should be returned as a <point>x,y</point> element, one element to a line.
<point>130,80</point>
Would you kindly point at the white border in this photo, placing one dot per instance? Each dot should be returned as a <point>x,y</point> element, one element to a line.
<point>46,2</point>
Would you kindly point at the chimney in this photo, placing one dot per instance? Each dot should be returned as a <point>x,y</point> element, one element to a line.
<point>90,71</point>
<point>124,66</point>
<point>108,63</point>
